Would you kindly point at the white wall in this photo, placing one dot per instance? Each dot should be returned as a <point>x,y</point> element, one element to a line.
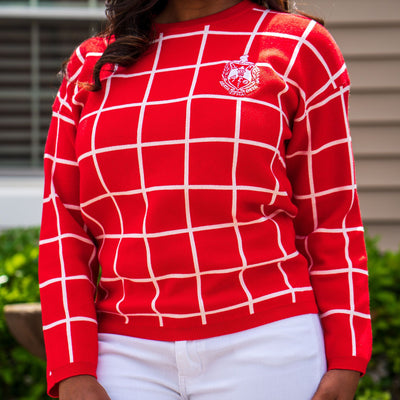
<point>20,200</point>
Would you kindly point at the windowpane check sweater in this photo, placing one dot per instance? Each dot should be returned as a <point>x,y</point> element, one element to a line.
<point>213,181</point>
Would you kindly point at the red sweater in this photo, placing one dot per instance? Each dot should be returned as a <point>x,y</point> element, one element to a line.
<point>213,181</point>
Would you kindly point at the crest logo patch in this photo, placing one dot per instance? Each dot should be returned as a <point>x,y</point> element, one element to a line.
<point>240,77</point>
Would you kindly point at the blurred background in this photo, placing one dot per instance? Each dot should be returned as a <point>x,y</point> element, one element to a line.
<point>36,36</point>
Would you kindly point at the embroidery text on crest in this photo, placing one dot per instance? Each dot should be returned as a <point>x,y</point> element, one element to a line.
<point>240,77</point>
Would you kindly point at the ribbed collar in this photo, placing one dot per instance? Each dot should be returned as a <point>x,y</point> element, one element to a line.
<point>230,12</point>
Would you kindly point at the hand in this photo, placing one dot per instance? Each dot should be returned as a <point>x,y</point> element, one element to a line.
<point>82,387</point>
<point>337,384</point>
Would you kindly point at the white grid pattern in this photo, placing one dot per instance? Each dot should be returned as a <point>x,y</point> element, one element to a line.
<point>273,211</point>
<point>186,177</point>
<point>143,184</point>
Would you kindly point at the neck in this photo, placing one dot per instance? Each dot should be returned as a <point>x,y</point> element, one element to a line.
<point>184,10</point>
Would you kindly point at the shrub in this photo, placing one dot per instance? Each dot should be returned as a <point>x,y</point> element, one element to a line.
<point>22,376</point>
<point>383,373</point>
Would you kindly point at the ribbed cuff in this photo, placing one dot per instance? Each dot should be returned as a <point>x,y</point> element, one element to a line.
<point>54,377</point>
<point>350,363</point>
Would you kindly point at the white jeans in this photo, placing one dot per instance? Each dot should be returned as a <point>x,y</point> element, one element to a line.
<point>284,360</point>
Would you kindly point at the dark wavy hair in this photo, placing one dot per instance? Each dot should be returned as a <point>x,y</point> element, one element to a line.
<point>130,23</point>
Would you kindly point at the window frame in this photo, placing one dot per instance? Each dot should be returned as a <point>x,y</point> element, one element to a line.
<point>36,13</point>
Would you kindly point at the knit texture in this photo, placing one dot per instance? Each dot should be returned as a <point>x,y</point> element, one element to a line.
<point>213,181</point>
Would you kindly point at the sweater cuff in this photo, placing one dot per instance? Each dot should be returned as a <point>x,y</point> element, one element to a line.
<point>54,377</point>
<point>350,363</point>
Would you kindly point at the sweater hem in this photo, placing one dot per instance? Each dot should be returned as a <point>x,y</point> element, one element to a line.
<point>114,324</point>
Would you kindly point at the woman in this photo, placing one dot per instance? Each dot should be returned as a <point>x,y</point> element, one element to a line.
<point>199,152</point>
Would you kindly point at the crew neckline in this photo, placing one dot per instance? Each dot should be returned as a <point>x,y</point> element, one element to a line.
<point>234,10</point>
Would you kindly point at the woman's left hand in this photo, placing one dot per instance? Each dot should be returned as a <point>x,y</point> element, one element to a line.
<point>337,384</point>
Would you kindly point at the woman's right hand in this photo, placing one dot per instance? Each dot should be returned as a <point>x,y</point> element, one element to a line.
<point>82,387</point>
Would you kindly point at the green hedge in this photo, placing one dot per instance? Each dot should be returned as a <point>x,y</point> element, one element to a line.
<point>383,378</point>
<point>22,376</point>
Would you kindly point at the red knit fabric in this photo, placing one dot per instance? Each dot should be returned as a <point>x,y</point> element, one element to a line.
<point>213,181</point>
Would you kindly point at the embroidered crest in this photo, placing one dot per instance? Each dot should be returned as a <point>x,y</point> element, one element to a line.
<point>240,77</point>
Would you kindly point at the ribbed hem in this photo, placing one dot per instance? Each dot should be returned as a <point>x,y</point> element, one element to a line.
<point>191,329</point>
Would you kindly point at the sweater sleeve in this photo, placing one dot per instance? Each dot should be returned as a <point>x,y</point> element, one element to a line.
<point>328,225</point>
<point>67,254</point>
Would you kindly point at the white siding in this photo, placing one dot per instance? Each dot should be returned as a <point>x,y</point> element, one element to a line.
<point>368,33</point>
